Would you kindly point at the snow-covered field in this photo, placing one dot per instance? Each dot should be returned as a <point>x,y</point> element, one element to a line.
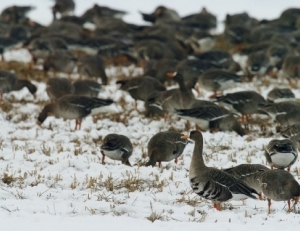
<point>51,177</point>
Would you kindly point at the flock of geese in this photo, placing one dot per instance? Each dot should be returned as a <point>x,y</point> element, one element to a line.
<point>171,48</point>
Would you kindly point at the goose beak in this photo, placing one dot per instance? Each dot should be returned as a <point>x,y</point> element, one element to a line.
<point>185,137</point>
<point>171,74</point>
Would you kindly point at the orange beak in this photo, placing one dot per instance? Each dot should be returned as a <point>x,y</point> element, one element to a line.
<point>171,74</point>
<point>185,137</point>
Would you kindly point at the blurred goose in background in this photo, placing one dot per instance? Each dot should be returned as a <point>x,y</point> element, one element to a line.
<point>219,58</point>
<point>291,130</point>
<point>276,54</point>
<point>10,82</point>
<point>72,107</point>
<point>58,87</point>
<point>248,174</point>
<point>211,183</point>
<point>116,147</point>
<point>8,44</point>
<point>280,94</point>
<point>15,14</point>
<point>291,68</point>
<point>60,61</point>
<point>242,19</point>
<point>87,87</point>
<point>92,66</point>
<point>161,15</point>
<point>288,119</point>
<point>244,102</point>
<point>279,185</point>
<point>63,7</point>
<point>217,81</point>
<point>212,117</point>
<point>176,98</point>
<point>258,64</point>
<point>281,153</point>
<point>164,147</point>
<point>141,88</point>
<point>236,35</point>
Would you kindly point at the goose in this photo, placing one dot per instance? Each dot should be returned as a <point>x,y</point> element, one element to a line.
<point>212,117</point>
<point>10,82</point>
<point>165,146</point>
<point>116,147</point>
<point>280,94</point>
<point>212,183</point>
<point>279,185</point>
<point>249,175</point>
<point>281,153</point>
<point>87,87</point>
<point>92,66</point>
<point>217,81</point>
<point>291,130</point>
<point>177,98</point>
<point>58,87</point>
<point>72,107</point>
<point>64,7</point>
<point>244,102</point>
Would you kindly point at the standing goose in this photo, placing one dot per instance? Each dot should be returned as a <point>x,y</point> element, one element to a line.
<point>249,174</point>
<point>244,102</point>
<point>177,98</point>
<point>72,107</point>
<point>281,153</point>
<point>212,183</point>
<point>116,147</point>
<point>165,146</point>
<point>279,185</point>
<point>217,81</point>
<point>212,117</point>
<point>58,87</point>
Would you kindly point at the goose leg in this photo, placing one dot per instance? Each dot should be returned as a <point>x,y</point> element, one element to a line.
<point>78,124</point>
<point>288,169</point>
<point>165,117</point>
<point>260,196</point>
<point>159,164</point>
<point>103,157</point>
<point>289,205</point>
<point>272,167</point>
<point>269,206</point>
<point>176,160</point>
<point>217,206</point>
<point>213,95</point>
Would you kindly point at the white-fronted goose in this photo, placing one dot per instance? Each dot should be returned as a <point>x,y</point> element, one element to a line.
<point>211,183</point>
<point>60,60</point>
<point>258,63</point>
<point>244,102</point>
<point>10,82</point>
<point>116,147</point>
<point>281,153</point>
<point>275,109</point>
<point>87,87</point>
<point>63,7</point>
<point>92,66</point>
<point>213,118</point>
<point>279,185</point>
<point>72,107</point>
<point>165,146</point>
<point>277,95</point>
<point>291,130</point>
<point>249,175</point>
<point>58,87</point>
<point>217,81</point>
<point>291,67</point>
<point>177,98</point>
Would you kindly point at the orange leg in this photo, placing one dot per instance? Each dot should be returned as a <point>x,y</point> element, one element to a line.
<point>214,95</point>
<point>269,206</point>
<point>288,169</point>
<point>165,117</point>
<point>159,164</point>
<point>103,157</point>
<point>217,207</point>
<point>176,160</point>
<point>289,205</point>
<point>260,196</point>
<point>272,167</point>
<point>78,124</point>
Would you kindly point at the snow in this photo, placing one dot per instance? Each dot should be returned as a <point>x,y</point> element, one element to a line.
<point>59,183</point>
